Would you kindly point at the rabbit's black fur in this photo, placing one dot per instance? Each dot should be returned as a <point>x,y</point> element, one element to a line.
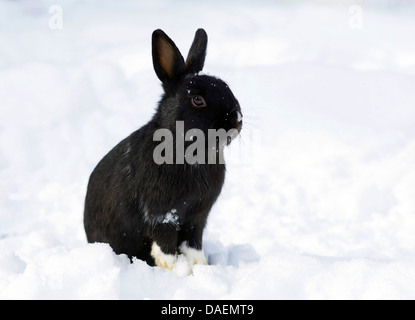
<point>131,201</point>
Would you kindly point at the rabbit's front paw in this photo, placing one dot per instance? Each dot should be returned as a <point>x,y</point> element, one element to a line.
<point>193,255</point>
<point>162,259</point>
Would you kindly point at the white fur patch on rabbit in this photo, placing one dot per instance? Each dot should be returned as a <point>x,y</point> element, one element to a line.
<point>162,259</point>
<point>193,255</point>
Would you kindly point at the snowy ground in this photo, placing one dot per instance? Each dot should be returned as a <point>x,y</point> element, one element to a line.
<point>319,201</point>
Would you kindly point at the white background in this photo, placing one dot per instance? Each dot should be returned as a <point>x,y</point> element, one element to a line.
<point>319,200</point>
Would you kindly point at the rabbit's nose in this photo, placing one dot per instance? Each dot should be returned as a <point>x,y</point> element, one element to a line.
<point>238,121</point>
<point>238,117</point>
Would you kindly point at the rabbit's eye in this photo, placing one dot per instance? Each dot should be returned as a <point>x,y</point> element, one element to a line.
<point>198,102</point>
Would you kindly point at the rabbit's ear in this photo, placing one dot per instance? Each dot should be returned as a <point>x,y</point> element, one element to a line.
<point>197,53</point>
<point>167,59</point>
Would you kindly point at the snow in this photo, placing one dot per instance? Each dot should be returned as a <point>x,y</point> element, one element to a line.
<point>319,196</point>
<point>172,218</point>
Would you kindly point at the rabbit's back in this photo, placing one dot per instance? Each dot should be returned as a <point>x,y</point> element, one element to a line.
<point>112,208</point>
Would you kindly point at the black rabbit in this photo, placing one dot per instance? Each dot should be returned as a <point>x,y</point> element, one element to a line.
<point>153,211</point>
